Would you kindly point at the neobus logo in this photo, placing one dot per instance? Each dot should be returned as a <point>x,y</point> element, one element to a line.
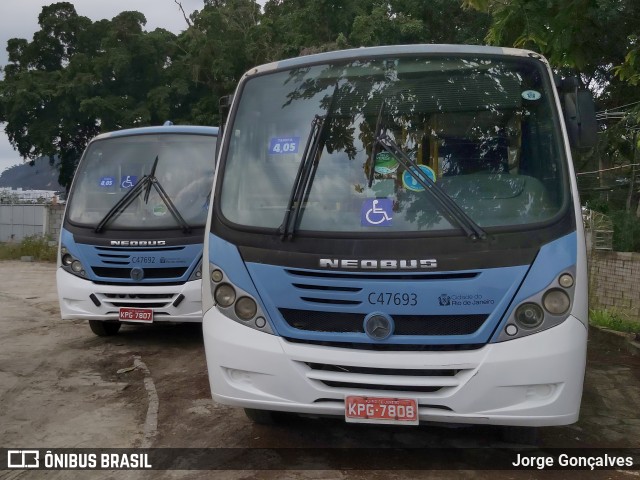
<point>138,243</point>
<point>378,264</point>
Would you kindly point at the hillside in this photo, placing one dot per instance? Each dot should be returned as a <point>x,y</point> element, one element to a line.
<point>40,176</point>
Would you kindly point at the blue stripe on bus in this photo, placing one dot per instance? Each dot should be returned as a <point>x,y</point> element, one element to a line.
<point>187,257</point>
<point>490,292</point>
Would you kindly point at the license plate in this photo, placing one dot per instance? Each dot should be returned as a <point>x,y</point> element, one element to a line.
<point>402,411</point>
<point>143,315</point>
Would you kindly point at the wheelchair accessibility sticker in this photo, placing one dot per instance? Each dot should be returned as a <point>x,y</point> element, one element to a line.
<point>376,212</point>
<point>128,181</point>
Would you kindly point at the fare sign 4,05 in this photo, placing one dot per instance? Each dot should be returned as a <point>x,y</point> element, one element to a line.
<point>401,411</point>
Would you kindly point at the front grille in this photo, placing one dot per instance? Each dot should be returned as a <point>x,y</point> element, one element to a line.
<point>386,379</point>
<point>338,322</point>
<point>390,347</point>
<point>137,300</point>
<point>112,272</point>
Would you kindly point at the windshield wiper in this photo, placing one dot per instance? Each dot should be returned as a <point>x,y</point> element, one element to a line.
<point>306,171</point>
<point>145,183</point>
<point>444,202</point>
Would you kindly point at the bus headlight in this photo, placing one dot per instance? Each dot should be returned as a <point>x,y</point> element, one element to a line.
<point>246,308</point>
<point>565,280</point>
<point>225,295</point>
<point>70,263</point>
<point>235,303</point>
<point>216,276</point>
<point>529,315</point>
<point>197,272</point>
<point>556,301</point>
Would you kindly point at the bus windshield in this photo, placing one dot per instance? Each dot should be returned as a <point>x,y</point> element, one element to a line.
<point>484,129</point>
<point>112,166</point>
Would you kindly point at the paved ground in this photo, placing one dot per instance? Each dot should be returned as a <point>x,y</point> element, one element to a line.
<point>61,386</point>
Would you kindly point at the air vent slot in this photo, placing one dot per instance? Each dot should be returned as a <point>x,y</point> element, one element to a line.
<point>327,288</point>
<point>330,301</point>
<point>139,249</point>
<point>383,276</point>
<point>412,372</point>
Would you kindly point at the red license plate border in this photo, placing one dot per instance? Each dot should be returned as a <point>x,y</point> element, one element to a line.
<point>136,318</point>
<point>373,400</point>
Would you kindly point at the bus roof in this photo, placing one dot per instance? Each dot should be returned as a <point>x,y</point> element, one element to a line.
<point>388,50</point>
<point>193,129</point>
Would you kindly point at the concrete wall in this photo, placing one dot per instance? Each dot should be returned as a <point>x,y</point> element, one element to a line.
<point>54,220</point>
<point>18,221</point>
<point>614,281</point>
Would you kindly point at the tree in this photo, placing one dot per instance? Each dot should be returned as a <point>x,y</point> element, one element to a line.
<point>77,78</point>
<point>595,40</point>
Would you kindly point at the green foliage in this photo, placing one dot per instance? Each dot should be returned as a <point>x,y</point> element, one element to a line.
<point>614,320</point>
<point>626,231</point>
<point>35,246</point>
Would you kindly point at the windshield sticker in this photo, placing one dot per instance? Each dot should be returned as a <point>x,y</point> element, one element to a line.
<point>107,181</point>
<point>410,182</point>
<point>283,145</point>
<point>128,181</point>
<point>376,212</point>
<point>385,163</point>
<point>531,95</point>
<point>159,210</point>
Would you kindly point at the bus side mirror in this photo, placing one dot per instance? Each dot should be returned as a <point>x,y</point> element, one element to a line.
<point>580,119</point>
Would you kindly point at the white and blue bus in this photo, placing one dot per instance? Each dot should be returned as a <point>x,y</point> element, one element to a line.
<point>395,237</point>
<point>131,238</point>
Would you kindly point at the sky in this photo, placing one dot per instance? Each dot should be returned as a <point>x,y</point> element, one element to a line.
<point>19,19</point>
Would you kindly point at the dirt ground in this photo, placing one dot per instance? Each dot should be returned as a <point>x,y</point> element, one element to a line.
<point>61,386</point>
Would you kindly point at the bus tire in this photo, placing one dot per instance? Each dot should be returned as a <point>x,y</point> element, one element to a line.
<point>520,435</point>
<point>104,329</point>
<point>263,417</point>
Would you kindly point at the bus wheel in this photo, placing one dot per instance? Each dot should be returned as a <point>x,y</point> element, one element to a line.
<point>263,417</point>
<point>104,329</point>
<point>521,435</point>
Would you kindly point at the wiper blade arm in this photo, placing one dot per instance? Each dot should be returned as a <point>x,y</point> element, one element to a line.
<point>186,228</point>
<point>122,204</point>
<point>300,184</point>
<point>445,202</point>
<point>307,169</point>
<point>374,149</point>
<point>145,183</point>
<point>152,174</point>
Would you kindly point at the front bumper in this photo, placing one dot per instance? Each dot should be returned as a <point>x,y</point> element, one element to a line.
<point>532,381</point>
<point>74,295</point>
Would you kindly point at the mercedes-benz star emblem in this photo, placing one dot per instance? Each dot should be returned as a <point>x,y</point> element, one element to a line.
<point>378,326</point>
<point>137,274</point>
